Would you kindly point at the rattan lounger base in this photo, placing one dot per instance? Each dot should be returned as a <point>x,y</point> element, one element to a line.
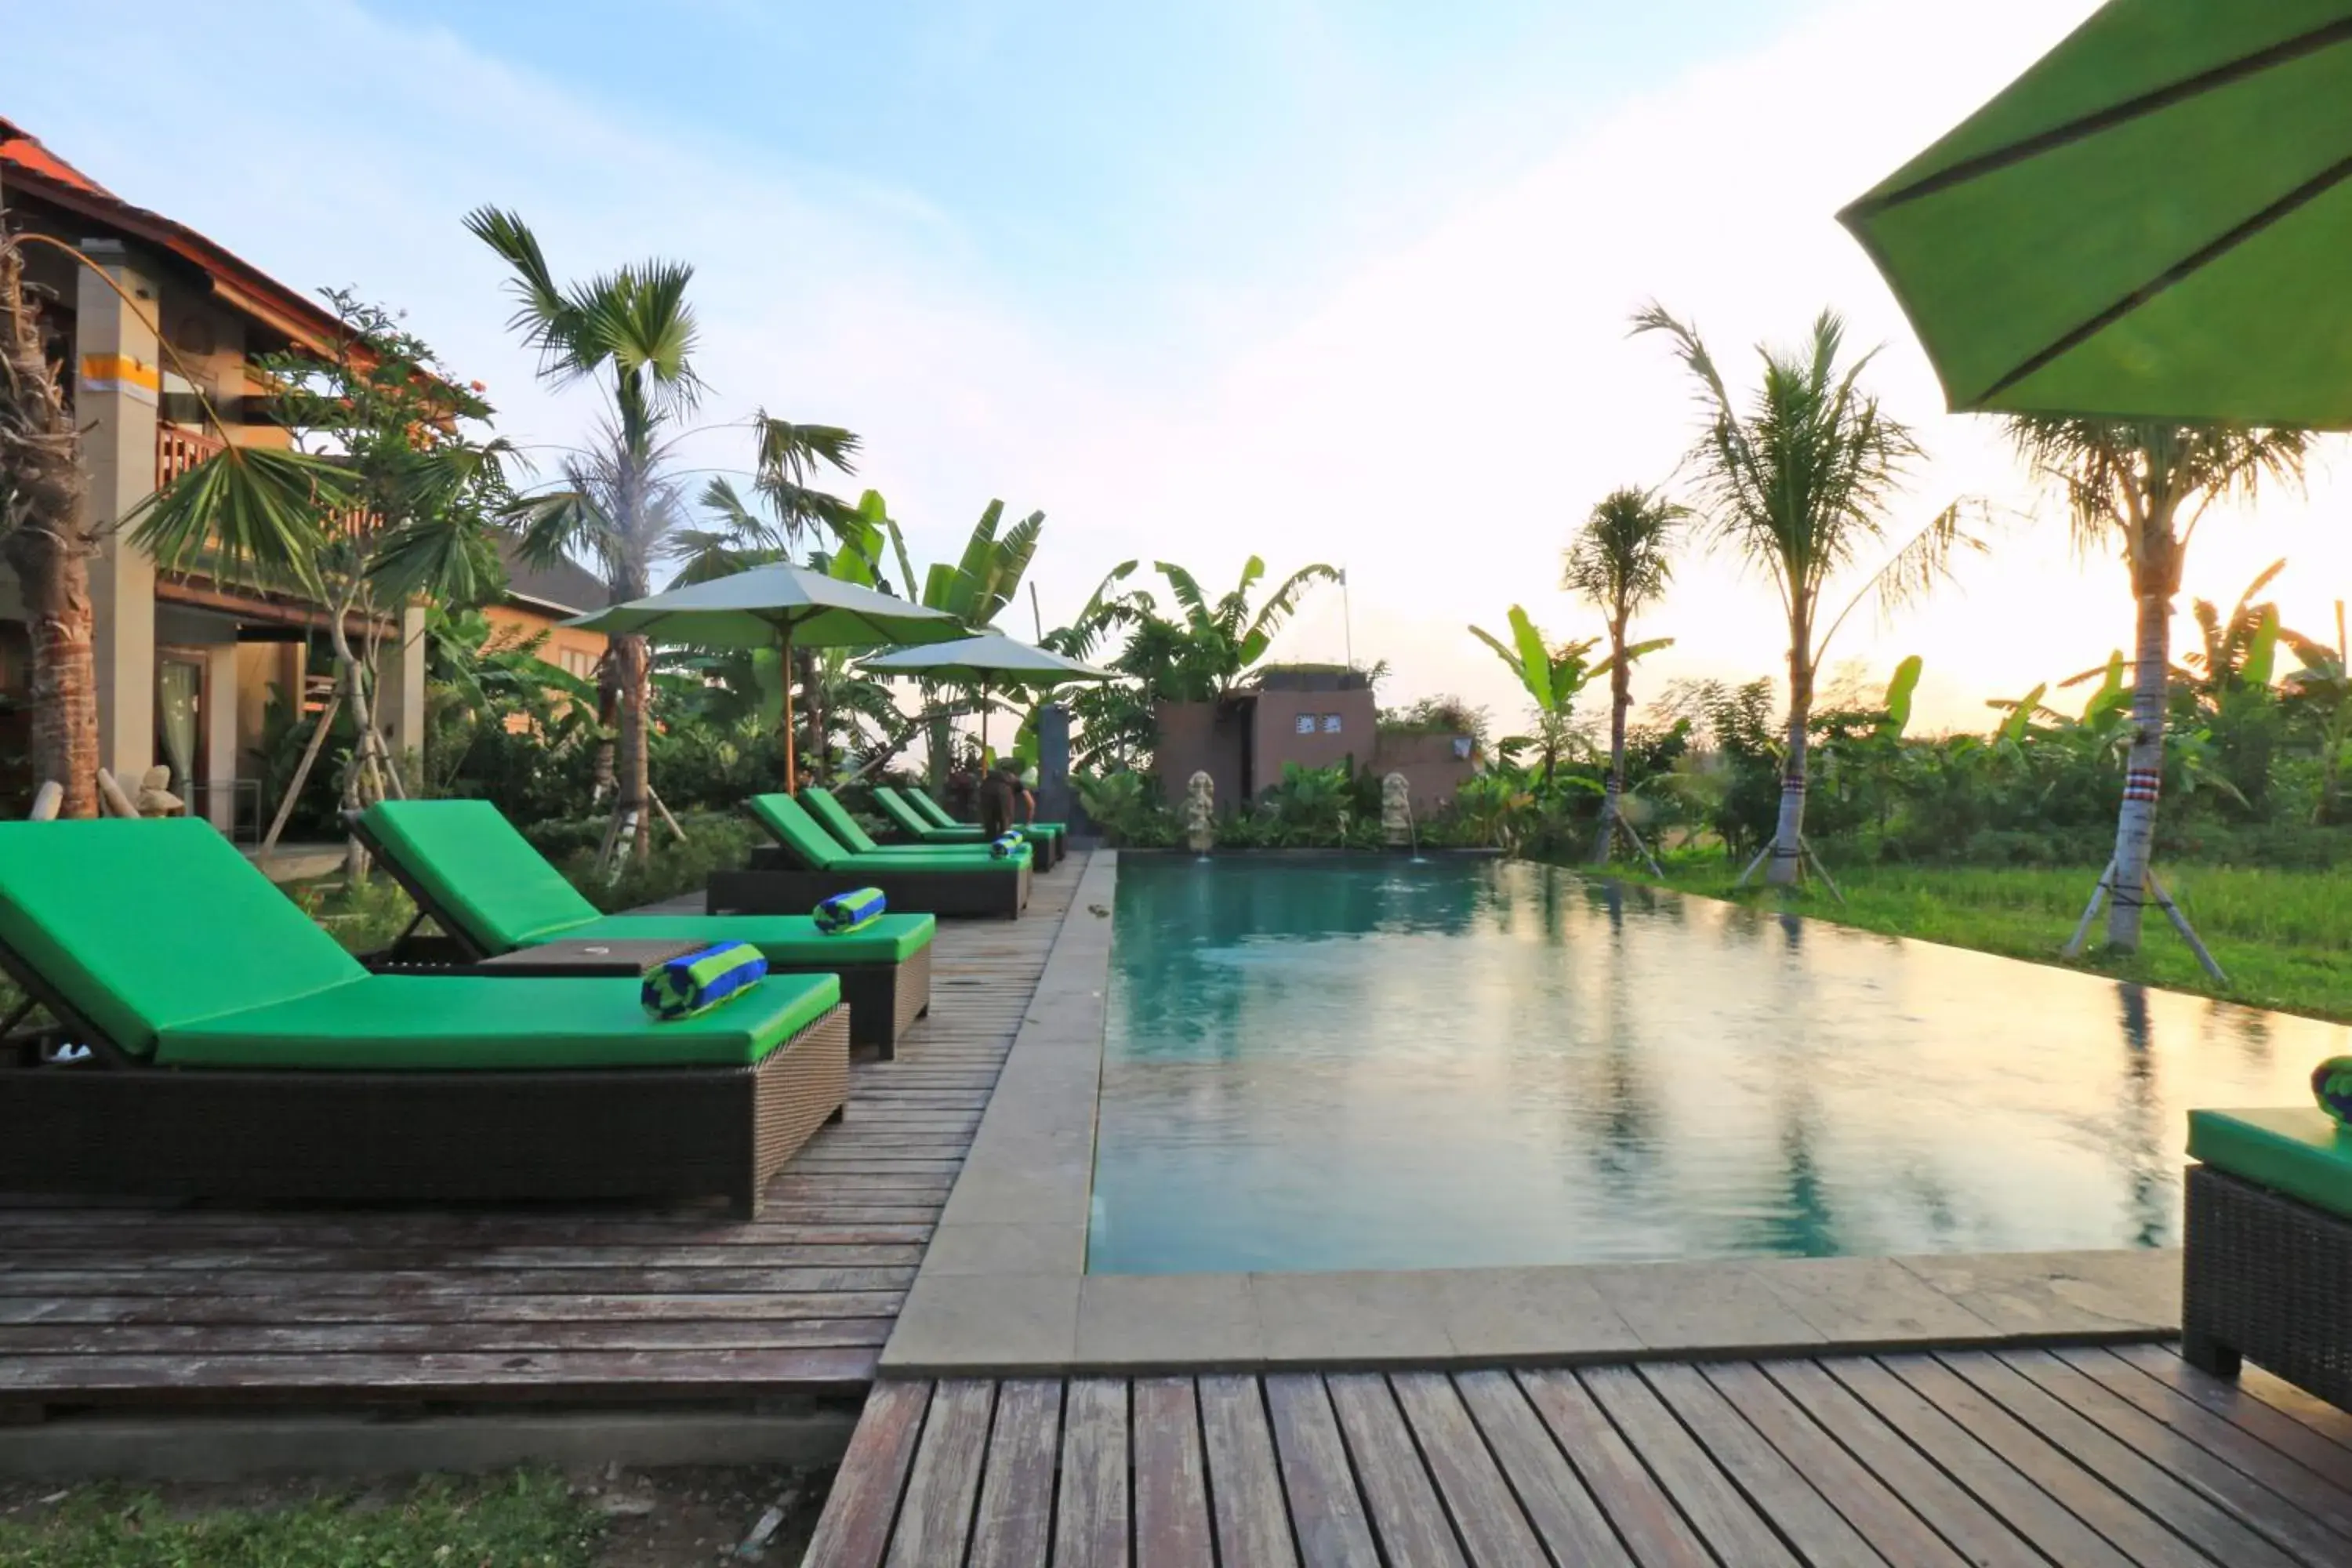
<point>424,1137</point>
<point>2268,1278</point>
<point>774,886</point>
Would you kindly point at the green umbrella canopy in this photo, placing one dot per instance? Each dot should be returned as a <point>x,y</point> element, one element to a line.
<point>768,606</point>
<point>2153,222</point>
<point>780,607</point>
<point>991,659</point>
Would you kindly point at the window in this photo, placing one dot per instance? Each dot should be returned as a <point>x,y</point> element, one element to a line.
<point>578,661</point>
<point>1330,724</point>
<point>1305,724</point>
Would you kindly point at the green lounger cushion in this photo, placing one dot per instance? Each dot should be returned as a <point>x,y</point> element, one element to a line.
<point>788,941</point>
<point>474,865</point>
<point>474,868</point>
<point>794,828</point>
<point>836,819</point>
<point>2299,1150</point>
<point>896,808</point>
<point>416,1023</point>
<point>142,926</point>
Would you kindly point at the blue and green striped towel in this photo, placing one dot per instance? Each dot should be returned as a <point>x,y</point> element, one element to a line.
<point>698,981</point>
<point>1007,846</point>
<point>853,911</point>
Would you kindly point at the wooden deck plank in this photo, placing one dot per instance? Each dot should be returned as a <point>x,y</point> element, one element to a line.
<point>1252,1522</point>
<point>2037,1490</point>
<point>1487,1516</point>
<point>1569,1524</point>
<point>1091,1519</point>
<point>1722,1518</point>
<point>1327,1513</point>
<point>1408,1519</point>
<point>1774,1487</point>
<point>2224,1398</point>
<point>855,1528</point>
<point>2181,1507</point>
<point>1874,1510</point>
<point>1015,1525</point>
<point>2284,1520</point>
<point>1973,1499</point>
<point>1646,1519</point>
<point>2323,1499</point>
<point>936,1507</point>
<point>1172,1489</point>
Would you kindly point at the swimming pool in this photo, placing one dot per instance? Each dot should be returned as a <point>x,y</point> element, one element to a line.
<point>1337,1064</point>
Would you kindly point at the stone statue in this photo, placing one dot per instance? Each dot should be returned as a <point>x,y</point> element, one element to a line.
<point>1396,811</point>
<point>1201,812</point>
<point>156,796</point>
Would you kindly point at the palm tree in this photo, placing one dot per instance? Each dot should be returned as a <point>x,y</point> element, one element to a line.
<point>46,542</point>
<point>1621,562</point>
<point>634,333</point>
<point>2146,484</point>
<point>1800,483</point>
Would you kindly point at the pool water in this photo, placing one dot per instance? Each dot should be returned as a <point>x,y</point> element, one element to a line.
<point>1337,1064</point>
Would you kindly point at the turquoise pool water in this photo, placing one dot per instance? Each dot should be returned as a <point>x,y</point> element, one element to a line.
<point>1322,1064</point>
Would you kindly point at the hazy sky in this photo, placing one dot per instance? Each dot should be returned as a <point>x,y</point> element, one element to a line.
<point>1341,281</point>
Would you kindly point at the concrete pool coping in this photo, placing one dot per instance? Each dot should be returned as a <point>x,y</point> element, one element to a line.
<point>1003,1287</point>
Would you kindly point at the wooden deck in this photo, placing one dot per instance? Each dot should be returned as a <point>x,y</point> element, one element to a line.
<point>2088,1458</point>
<point>158,1305</point>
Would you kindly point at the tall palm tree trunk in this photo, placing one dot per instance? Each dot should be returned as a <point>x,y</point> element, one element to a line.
<point>41,490</point>
<point>2143,770</point>
<point>1788,834</point>
<point>630,667</point>
<point>1621,696</point>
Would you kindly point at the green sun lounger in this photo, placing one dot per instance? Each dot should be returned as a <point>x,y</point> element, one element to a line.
<point>805,863</point>
<point>835,819</point>
<point>1050,838</point>
<point>491,893</point>
<point>233,1049</point>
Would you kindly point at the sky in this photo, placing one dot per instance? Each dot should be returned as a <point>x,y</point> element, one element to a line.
<point>1317,280</point>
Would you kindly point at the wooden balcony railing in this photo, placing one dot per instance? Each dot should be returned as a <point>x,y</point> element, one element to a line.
<point>177,450</point>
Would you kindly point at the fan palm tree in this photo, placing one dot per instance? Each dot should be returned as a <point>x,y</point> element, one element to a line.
<point>2144,485</point>
<point>1799,482</point>
<point>633,333</point>
<point>1621,562</point>
<point>47,544</point>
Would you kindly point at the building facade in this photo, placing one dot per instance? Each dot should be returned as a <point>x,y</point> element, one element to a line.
<point>187,667</point>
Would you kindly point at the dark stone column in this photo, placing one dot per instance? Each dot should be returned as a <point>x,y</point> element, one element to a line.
<point>1055,802</point>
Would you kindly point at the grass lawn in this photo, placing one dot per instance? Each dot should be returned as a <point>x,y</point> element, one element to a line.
<point>2284,937</point>
<point>520,1520</point>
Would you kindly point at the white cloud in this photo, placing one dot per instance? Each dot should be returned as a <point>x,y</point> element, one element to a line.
<point>1438,421</point>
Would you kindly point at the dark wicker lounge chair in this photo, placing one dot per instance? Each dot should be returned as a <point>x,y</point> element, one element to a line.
<point>2267,1267</point>
<point>806,864</point>
<point>1052,838</point>
<point>1045,848</point>
<point>491,893</point>
<point>234,1050</point>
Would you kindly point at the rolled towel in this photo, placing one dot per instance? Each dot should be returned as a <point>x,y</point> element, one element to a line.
<point>1006,847</point>
<point>698,981</point>
<point>849,911</point>
<point>2331,1085</point>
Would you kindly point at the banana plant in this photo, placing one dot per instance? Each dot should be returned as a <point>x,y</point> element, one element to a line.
<point>2324,686</point>
<point>1551,677</point>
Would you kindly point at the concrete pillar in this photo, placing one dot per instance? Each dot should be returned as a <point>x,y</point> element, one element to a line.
<point>220,739</point>
<point>400,688</point>
<point>1054,800</point>
<point>115,398</point>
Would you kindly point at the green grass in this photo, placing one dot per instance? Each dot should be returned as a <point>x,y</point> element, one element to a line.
<point>2284,937</point>
<point>526,1520</point>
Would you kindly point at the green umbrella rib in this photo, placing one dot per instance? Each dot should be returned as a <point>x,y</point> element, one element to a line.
<point>2275,56</point>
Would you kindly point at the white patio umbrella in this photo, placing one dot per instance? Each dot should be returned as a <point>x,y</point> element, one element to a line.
<point>991,659</point>
<point>777,606</point>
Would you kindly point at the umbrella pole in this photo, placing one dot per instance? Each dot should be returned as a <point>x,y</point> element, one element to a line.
<point>792,784</point>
